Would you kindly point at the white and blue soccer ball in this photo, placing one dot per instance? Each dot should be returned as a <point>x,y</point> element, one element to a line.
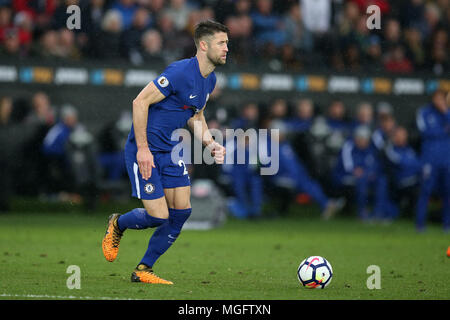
<point>315,272</point>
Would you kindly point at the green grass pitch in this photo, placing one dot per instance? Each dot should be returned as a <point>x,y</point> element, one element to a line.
<point>240,260</point>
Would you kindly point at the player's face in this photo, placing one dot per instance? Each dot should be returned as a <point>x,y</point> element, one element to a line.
<point>218,48</point>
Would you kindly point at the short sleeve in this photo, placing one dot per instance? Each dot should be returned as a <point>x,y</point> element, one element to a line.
<point>169,80</point>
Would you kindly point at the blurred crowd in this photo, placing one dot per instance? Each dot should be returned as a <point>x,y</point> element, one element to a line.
<point>282,35</point>
<point>335,155</point>
<point>332,155</point>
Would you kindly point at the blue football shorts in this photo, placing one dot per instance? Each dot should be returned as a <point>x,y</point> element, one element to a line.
<point>166,175</point>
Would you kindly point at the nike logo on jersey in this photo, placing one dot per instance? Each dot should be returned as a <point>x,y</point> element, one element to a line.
<point>192,97</point>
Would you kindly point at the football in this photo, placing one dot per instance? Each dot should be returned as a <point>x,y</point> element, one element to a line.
<point>315,272</point>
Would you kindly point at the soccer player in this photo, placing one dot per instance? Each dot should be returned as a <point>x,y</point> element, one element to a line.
<point>178,96</point>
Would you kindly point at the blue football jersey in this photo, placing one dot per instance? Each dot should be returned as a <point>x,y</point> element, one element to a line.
<point>186,92</point>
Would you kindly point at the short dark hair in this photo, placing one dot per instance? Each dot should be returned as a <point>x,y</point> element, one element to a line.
<point>208,28</point>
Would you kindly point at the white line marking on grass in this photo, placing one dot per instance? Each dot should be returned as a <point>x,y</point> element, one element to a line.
<point>46,296</point>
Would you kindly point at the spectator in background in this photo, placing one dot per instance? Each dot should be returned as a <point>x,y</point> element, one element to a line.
<point>414,47</point>
<point>352,57</point>
<point>194,17</point>
<point>385,127</point>
<point>166,27</point>
<point>95,11</point>
<point>11,44</point>
<point>6,107</point>
<point>438,60</point>
<point>67,45</point>
<point>336,118</point>
<point>155,7</point>
<point>433,122</point>
<point>349,18</point>
<point>40,11</point>
<point>278,110</point>
<point>24,25</point>
<point>357,170</point>
<point>107,45</point>
<point>249,117</point>
<point>364,116</point>
<point>48,46</point>
<point>131,37</point>
<point>316,15</point>
<point>152,47</point>
<point>299,36</point>
<point>290,59</point>
<point>396,61</point>
<point>432,16</point>
<point>392,34</point>
<point>292,174</point>
<point>56,138</point>
<point>127,10</point>
<point>403,168</point>
<point>245,181</point>
<point>5,21</point>
<point>241,8</point>
<point>412,15</point>
<point>54,149</point>
<point>240,27</point>
<point>112,139</point>
<point>372,56</point>
<point>303,117</point>
<point>268,27</point>
<point>179,11</point>
<point>42,112</point>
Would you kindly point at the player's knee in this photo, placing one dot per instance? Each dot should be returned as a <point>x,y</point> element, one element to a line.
<point>156,208</point>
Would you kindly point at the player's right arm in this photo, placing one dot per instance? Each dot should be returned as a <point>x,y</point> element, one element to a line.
<point>148,96</point>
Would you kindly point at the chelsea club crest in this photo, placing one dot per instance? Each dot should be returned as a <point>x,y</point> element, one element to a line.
<point>149,188</point>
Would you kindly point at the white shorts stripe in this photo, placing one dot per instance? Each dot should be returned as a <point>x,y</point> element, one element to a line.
<point>136,180</point>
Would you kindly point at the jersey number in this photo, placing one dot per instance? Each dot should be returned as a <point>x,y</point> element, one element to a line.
<point>181,164</point>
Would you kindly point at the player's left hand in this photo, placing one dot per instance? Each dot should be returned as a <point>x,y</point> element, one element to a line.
<point>218,152</point>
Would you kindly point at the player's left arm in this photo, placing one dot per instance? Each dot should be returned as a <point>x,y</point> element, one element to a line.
<point>197,124</point>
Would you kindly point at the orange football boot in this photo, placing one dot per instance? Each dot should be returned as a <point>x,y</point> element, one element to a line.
<point>111,240</point>
<point>448,252</point>
<point>142,273</point>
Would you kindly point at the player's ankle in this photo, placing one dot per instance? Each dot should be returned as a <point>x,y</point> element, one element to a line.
<point>143,266</point>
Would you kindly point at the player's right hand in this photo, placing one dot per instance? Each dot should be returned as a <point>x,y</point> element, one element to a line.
<point>145,162</point>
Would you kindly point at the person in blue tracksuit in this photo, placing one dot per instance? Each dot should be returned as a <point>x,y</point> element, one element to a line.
<point>246,181</point>
<point>54,149</point>
<point>358,168</point>
<point>336,118</point>
<point>364,116</point>
<point>433,122</point>
<point>292,172</point>
<point>385,127</point>
<point>54,144</point>
<point>304,116</point>
<point>403,166</point>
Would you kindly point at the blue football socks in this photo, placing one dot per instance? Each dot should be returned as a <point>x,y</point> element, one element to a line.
<point>138,219</point>
<point>165,235</point>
